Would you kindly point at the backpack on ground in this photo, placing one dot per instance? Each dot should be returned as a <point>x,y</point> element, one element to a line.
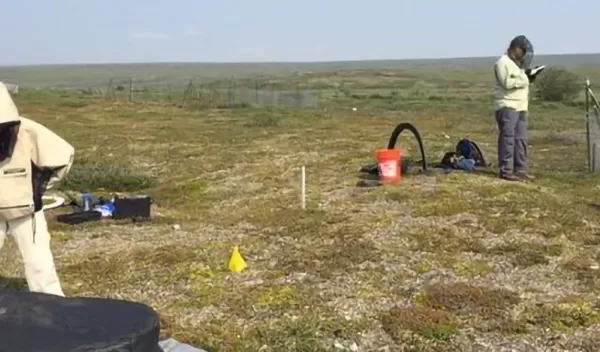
<point>467,155</point>
<point>468,149</point>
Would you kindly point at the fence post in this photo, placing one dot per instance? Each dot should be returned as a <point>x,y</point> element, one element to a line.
<point>256,92</point>
<point>185,94</point>
<point>587,125</point>
<point>130,89</point>
<point>109,89</point>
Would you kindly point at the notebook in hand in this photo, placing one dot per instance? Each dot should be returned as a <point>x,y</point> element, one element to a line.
<point>538,69</point>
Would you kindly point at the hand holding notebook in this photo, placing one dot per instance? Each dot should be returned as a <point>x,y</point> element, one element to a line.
<point>533,72</point>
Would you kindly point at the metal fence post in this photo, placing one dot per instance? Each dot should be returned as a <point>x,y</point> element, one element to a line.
<point>587,124</point>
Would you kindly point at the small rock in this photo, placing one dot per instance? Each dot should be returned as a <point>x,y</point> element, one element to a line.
<point>339,346</point>
<point>254,282</point>
<point>354,347</point>
<point>176,227</point>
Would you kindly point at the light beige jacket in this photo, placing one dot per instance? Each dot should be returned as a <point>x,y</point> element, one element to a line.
<point>34,144</point>
<point>511,87</point>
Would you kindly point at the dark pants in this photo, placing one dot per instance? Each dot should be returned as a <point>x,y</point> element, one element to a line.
<point>512,140</point>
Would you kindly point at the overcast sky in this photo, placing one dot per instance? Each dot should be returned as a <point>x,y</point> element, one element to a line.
<point>107,31</point>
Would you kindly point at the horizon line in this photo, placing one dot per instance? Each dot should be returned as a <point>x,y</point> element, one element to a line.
<point>271,62</point>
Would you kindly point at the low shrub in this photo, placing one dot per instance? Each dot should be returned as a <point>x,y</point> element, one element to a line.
<point>94,174</point>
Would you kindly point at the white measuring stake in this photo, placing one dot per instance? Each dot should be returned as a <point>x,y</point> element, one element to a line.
<point>303,198</point>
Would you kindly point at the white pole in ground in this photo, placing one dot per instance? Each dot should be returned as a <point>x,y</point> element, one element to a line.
<point>303,198</point>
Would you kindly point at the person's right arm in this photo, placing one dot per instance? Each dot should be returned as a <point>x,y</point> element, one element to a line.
<point>508,78</point>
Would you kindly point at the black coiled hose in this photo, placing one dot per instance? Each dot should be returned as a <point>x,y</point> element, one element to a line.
<point>408,126</point>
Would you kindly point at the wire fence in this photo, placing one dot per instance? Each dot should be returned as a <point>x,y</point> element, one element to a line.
<point>216,94</point>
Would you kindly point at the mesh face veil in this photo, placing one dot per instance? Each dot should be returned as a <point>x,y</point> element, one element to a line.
<point>523,42</point>
<point>8,139</point>
<point>527,57</point>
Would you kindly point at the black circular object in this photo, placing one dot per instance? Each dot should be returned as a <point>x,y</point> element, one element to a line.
<point>47,323</point>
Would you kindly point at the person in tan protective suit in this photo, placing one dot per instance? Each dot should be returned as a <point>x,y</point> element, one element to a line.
<point>32,159</point>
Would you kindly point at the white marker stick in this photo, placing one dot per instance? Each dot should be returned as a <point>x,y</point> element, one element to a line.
<point>303,198</point>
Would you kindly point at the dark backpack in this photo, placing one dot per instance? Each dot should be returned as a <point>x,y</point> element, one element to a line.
<point>467,149</point>
<point>470,150</point>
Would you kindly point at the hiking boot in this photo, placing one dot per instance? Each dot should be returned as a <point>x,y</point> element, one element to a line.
<point>510,177</point>
<point>524,176</point>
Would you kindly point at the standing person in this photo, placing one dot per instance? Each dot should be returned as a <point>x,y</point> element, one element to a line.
<point>32,159</point>
<point>511,103</point>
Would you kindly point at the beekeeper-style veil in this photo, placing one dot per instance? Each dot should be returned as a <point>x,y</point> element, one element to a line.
<point>523,42</point>
<point>9,123</point>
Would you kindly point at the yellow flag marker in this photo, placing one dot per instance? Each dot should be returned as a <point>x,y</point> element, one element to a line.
<point>236,262</point>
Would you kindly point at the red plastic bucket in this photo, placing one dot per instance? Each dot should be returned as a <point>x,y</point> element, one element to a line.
<point>388,161</point>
